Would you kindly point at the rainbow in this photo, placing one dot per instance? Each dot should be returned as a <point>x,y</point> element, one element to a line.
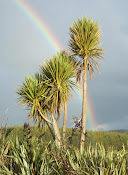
<point>51,39</point>
<point>39,24</point>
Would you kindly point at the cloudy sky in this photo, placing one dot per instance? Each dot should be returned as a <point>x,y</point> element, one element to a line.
<point>23,49</point>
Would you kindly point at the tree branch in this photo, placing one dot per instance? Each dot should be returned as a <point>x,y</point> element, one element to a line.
<point>47,120</point>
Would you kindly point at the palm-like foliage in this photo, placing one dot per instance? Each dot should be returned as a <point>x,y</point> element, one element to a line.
<point>33,94</point>
<point>57,73</point>
<point>84,42</point>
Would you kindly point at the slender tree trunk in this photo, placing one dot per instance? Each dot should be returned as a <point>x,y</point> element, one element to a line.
<point>57,132</point>
<point>83,129</point>
<point>50,130</point>
<point>55,128</point>
<point>58,112</point>
<point>64,122</point>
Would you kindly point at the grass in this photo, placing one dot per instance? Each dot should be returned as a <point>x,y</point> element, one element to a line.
<point>33,156</point>
<point>31,151</point>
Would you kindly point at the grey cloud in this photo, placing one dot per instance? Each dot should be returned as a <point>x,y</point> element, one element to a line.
<point>124,29</point>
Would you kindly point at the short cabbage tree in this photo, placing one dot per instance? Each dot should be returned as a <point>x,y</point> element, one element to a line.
<point>58,74</point>
<point>33,93</point>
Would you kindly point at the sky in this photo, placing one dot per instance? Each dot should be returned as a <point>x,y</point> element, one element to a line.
<point>23,49</point>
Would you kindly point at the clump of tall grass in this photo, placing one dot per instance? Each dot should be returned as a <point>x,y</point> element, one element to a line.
<point>4,146</point>
<point>33,157</point>
<point>94,160</point>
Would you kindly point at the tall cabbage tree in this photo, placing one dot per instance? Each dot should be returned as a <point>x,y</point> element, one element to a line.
<point>58,73</point>
<point>85,43</point>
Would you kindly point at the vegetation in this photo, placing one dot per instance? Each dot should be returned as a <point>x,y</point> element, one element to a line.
<point>84,42</point>
<point>57,76</point>
<point>45,93</point>
<point>46,148</point>
<point>32,156</point>
<point>110,140</point>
